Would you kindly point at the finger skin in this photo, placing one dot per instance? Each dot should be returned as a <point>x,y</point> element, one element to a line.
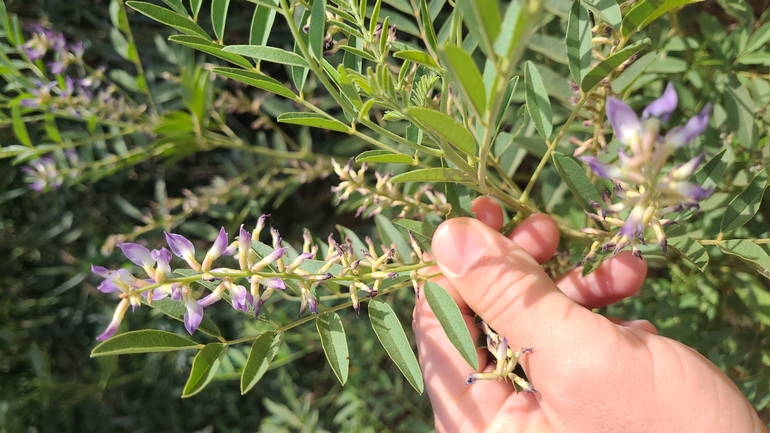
<point>615,279</point>
<point>591,374</point>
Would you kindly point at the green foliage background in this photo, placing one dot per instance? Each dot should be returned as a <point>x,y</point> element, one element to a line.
<point>50,311</point>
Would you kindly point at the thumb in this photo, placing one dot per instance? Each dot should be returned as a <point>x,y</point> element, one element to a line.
<point>511,292</point>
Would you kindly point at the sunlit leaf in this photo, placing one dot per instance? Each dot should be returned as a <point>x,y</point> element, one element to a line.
<point>205,366</point>
<point>391,334</point>
<point>334,343</point>
<point>451,319</point>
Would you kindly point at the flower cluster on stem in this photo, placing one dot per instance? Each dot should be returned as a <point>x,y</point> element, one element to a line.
<point>644,194</point>
<point>507,360</point>
<point>260,271</point>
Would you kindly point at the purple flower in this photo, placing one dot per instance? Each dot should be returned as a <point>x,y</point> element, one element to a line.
<point>183,248</point>
<point>624,122</point>
<point>43,174</point>
<point>270,258</point>
<point>241,298</point>
<point>117,317</point>
<point>137,254</point>
<point>601,169</point>
<point>194,314</point>
<point>220,244</point>
<point>163,259</point>
<point>214,296</point>
<point>663,106</point>
<point>244,248</point>
<point>679,137</point>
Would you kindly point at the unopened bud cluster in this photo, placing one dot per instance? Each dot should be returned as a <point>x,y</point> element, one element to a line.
<point>645,195</point>
<point>385,194</point>
<point>507,360</point>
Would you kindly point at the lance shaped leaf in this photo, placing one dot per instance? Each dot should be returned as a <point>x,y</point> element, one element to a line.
<point>334,343</point>
<point>446,127</point>
<point>606,10</point>
<point>605,67</point>
<point>422,232</point>
<point>205,366</point>
<point>391,334</point>
<point>646,11</point>
<point>579,42</point>
<point>464,73</point>
<point>578,183</point>
<point>749,252</point>
<point>169,18</point>
<point>144,341</point>
<point>262,352</point>
<point>746,204</point>
<point>451,319</point>
<point>538,103</point>
<point>690,250</point>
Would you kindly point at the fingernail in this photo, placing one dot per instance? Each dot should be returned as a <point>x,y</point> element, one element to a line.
<point>458,245</point>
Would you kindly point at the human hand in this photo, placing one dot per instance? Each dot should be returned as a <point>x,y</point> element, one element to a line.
<point>592,374</point>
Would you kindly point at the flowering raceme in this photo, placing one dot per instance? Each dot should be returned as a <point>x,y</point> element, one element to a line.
<point>644,190</point>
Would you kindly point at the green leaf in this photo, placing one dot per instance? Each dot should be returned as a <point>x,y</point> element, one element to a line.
<point>169,18</point>
<point>19,128</point>
<point>741,114</point>
<point>746,204</point>
<point>513,32</point>
<point>177,6</point>
<point>578,183</point>
<point>315,120</point>
<point>758,39</point>
<point>446,127</point>
<point>262,352</point>
<point>482,17</point>
<point>690,250</point>
<point>458,197</point>
<point>624,81</point>
<point>427,23</point>
<point>50,127</point>
<point>509,90</point>
<point>418,57</point>
<point>205,366</point>
<point>384,156</point>
<point>606,10</point>
<point>334,343</point>
<point>257,80</point>
<point>268,54</point>
<point>390,333</point>
<point>195,6</point>
<point>317,29</point>
<point>711,173</point>
<point>176,310</point>
<point>358,52</point>
<point>538,103</point>
<point>646,11</point>
<point>605,67</point>
<point>579,42</point>
<point>464,73</point>
<point>436,174</point>
<point>422,232</point>
<point>144,341</point>
<point>757,299</point>
<point>219,17</point>
<point>451,319</point>
<point>261,24</point>
<point>750,253</point>
<point>208,47</point>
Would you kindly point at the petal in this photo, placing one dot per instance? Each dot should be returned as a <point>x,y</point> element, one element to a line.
<point>180,245</point>
<point>663,106</point>
<point>101,271</point>
<point>193,316</point>
<point>161,256</point>
<point>693,191</point>
<point>601,169</point>
<point>623,120</point>
<point>688,168</point>
<point>220,244</point>
<point>117,317</point>
<point>273,283</point>
<point>138,254</point>
<point>696,126</point>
